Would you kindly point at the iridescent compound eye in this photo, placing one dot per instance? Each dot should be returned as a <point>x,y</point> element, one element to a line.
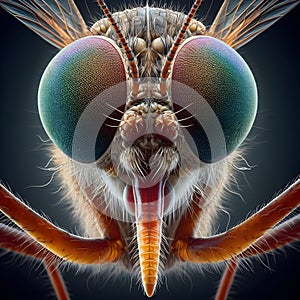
<point>224,96</point>
<point>77,92</point>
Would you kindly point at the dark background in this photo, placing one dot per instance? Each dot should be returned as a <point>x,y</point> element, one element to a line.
<point>273,150</point>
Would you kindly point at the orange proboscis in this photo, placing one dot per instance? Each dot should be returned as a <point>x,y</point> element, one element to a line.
<point>149,240</point>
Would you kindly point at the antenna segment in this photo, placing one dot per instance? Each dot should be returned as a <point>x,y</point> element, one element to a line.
<point>128,51</point>
<point>175,47</point>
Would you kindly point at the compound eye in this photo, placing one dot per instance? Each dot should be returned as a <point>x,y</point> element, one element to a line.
<point>78,92</point>
<point>223,97</point>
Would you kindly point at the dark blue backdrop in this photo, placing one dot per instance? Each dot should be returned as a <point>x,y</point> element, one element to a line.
<point>274,151</point>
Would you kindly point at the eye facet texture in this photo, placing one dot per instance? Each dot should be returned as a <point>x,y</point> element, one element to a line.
<point>224,81</point>
<point>73,79</point>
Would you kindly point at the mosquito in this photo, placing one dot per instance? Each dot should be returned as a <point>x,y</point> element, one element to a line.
<point>147,111</point>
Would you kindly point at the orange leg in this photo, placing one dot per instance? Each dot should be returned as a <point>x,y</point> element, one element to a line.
<point>56,280</point>
<point>20,242</point>
<point>235,241</point>
<point>281,235</point>
<point>227,279</point>
<point>63,244</point>
<point>188,221</point>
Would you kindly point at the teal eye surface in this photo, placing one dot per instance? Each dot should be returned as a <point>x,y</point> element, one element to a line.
<point>225,83</point>
<point>73,97</point>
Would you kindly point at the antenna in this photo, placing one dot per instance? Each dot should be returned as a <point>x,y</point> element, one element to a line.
<point>128,51</point>
<point>175,47</point>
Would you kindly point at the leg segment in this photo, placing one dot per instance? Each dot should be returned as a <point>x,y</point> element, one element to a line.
<point>281,235</point>
<point>20,242</point>
<point>63,244</point>
<point>189,220</point>
<point>235,241</point>
<point>227,279</point>
<point>276,238</point>
<point>56,280</point>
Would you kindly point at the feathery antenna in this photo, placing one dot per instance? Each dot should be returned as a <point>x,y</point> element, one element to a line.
<point>175,47</point>
<point>128,51</point>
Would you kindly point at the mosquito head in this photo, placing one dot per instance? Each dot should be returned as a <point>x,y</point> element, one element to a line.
<point>211,96</point>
